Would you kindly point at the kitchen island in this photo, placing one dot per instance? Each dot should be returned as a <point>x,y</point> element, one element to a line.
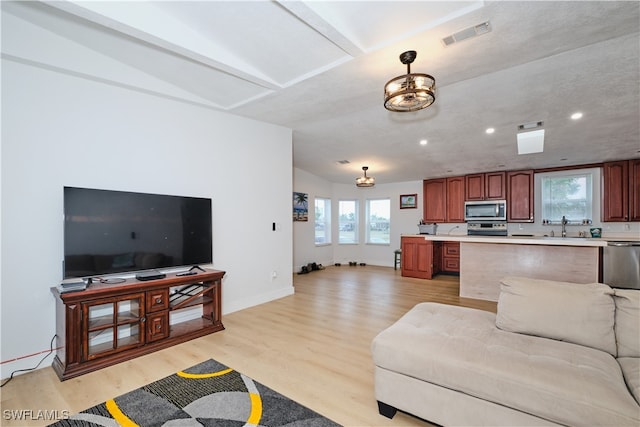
<point>485,260</point>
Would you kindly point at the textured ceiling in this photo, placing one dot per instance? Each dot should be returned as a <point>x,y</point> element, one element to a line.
<point>318,67</point>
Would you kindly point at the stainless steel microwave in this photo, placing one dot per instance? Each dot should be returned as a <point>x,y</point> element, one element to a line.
<point>485,210</point>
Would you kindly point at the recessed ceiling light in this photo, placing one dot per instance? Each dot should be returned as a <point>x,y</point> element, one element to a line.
<point>490,130</point>
<point>423,142</point>
<point>576,116</point>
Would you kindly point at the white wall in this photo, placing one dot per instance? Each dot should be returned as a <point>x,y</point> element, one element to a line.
<point>403,221</point>
<point>62,129</point>
<point>304,248</point>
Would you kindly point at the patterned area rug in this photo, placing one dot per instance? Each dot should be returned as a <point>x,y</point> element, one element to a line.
<point>208,394</point>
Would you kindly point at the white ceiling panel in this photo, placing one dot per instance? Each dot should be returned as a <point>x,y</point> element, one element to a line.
<point>265,34</point>
<point>159,71</point>
<point>375,24</point>
<point>318,67</point>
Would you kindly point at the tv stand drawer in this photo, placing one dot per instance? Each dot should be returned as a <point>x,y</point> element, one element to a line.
<point>157,300</point>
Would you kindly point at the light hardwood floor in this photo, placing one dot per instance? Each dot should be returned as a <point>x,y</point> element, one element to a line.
<point>313,346</point>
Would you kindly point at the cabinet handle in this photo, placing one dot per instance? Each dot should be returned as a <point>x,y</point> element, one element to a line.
<point>158,300</point>
<point>158,326</point>
<point>143,319</point>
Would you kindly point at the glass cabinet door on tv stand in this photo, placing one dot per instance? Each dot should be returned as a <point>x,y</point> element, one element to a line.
<point>113,325</point>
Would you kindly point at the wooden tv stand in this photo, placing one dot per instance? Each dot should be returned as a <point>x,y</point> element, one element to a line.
<point>110,323</point>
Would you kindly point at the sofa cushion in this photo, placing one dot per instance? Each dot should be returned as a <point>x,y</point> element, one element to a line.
<point>578,313</point>
<point>461,349</point>
<point>627,326</point>
<point>631,370</point>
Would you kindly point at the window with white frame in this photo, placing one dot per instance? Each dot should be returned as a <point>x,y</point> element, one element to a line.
<point>323,221</point>
<point>348,221</point>
<point>378,216</point>
<point>568,194</point>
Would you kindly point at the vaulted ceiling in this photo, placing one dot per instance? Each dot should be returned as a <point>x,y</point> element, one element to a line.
<point>319,67</point>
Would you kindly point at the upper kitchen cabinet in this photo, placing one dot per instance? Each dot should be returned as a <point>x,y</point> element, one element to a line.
<point>634,190</point>
<point>520,196</point>
<point>455,199</point>
<point>485,186</point>
<point>435,200</point>
<point>444,199</point>
<point>621,191</point>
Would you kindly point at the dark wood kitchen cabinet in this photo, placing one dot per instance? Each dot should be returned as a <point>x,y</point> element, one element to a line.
<point>435,200</point>
<point>485,186</point>
<point>520,196</point>
<point>615,191</point>
<point>444,199</point>
<point>420,257</point>
<point>455,199</point>
<point>450,257</point>
<point>634,190</point>
<point>621,191</point>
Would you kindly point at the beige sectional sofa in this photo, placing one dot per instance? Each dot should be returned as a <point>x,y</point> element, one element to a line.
<point>555,353</point>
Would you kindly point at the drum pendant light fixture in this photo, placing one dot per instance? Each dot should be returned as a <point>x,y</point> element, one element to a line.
<point>411,92</point>
<point>365,181</point>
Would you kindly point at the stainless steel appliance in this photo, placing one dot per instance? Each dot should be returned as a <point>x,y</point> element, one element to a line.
<point>487,228</point>
<point>621,264</point>
<point>485,210</point>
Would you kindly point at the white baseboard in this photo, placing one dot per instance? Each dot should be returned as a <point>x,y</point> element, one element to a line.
<point>231,306</point>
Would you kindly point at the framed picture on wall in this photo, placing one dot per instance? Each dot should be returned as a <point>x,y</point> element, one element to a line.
<point>300,207</point>
<point>408,201</point>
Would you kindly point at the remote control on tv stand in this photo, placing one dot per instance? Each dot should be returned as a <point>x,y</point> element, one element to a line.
<point>187,273</point>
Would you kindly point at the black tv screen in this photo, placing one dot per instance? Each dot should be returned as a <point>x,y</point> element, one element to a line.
<point>107,232</point>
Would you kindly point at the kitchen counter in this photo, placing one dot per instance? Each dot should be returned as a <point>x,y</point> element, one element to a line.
<point>520,240</point>
<point>486,260</point>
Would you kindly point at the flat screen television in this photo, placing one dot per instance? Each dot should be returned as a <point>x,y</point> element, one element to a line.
<point>108,232</point>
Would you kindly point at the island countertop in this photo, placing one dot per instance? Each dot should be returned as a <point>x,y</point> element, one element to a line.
<point>518,240</point>
<point>486,260</point>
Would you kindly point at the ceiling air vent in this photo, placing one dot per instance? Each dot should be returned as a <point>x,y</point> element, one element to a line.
<point>530,126</point>
<point>467,33</point>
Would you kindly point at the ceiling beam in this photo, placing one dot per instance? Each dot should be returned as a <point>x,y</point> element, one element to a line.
<point>320,25</point>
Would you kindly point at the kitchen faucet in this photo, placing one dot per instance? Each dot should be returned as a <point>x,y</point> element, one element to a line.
<point>564,226</point>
